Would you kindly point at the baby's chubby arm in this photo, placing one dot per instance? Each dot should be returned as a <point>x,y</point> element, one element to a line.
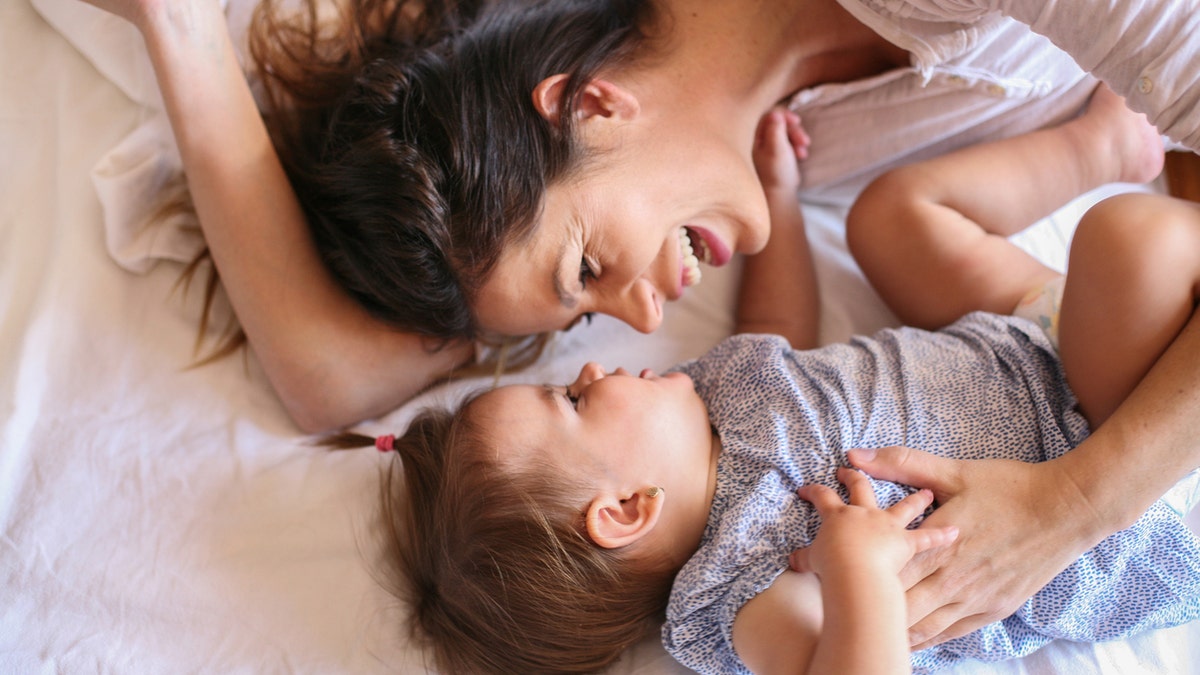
<point>844,610</point>
<point>779,285</point>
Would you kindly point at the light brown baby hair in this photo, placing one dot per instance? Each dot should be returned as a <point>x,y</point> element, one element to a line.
<point>495,562</point>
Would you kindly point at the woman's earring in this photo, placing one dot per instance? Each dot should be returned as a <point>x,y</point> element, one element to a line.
<point>654,492</point>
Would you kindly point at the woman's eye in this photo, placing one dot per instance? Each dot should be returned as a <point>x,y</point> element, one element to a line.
<point>585,318</point>
<point>586,272</point>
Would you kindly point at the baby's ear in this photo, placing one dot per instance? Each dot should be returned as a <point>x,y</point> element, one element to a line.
<point>599,99</point>
<point>613,522</point>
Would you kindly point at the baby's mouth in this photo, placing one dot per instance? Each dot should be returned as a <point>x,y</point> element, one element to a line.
<point>694,250</point>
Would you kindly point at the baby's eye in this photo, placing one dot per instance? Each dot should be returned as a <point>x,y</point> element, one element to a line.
<point>572,398</point>
<point>586,272</point>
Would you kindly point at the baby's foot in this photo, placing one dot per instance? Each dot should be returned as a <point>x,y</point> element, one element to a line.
<point>1126,137</point>
<point>781,141</point>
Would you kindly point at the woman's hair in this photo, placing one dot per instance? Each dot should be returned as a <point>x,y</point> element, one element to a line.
<point>410,136</point>
<point>496,564</point>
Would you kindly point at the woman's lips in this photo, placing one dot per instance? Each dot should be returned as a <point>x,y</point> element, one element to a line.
<point>697,245</point>
<point>716,253</point>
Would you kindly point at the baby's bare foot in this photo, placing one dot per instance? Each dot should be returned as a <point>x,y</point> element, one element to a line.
<point>1123,137</point>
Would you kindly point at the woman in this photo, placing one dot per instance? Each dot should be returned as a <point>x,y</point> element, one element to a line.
<point>681,104</point>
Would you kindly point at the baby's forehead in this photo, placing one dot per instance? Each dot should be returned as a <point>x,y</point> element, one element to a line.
<point>515,422</point>
<point>507,401</point>
<point>516,413</point>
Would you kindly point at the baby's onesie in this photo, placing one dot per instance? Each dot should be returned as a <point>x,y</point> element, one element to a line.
<point>986,387</point>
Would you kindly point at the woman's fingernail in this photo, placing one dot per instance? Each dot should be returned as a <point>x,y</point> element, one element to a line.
<point>865,454</point>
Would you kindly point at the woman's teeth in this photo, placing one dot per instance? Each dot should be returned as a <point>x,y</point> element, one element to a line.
<point>693,252</point>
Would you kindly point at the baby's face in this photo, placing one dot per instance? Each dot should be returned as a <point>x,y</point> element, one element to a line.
<point>633,431</point>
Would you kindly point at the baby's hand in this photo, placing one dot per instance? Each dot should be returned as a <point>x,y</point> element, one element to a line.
<point>861,534</point>
<point>780,143</point>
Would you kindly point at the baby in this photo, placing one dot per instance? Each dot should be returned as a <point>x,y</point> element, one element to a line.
<point>546,528</point>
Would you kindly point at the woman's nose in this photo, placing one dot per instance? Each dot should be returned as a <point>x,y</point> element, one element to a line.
<point>640,306</point>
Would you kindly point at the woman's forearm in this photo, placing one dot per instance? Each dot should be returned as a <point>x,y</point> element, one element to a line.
<point>1150,442</point>
<point>329,361</point>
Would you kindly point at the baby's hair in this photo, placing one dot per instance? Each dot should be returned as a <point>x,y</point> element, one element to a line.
<point>495,562</point>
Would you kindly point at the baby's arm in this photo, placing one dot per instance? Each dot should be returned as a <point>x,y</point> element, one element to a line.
<point>330,362</point>
<point>857,557</point>
<point>779,285</point>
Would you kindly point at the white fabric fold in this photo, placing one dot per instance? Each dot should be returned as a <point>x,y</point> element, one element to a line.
<point>130,179</point>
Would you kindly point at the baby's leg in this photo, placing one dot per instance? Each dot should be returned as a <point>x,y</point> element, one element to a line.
<point>932,237</point>
<point>1132,284</point>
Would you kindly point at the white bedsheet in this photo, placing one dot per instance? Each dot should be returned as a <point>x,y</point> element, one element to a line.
<point>161,519</point>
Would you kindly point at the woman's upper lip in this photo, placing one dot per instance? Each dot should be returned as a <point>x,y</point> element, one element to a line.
<point>719,252</point>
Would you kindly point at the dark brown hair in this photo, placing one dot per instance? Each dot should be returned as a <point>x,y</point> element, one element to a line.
<point>495,563</point>
<point>410,136</point>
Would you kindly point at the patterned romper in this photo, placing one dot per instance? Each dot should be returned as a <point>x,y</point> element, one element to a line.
<point>986,387</point>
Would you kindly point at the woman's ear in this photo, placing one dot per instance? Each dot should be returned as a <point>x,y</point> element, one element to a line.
<point>613,522</point>
<point>599,98</point>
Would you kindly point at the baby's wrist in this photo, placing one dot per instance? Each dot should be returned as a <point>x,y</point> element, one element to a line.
<point>864,563</point>
<point>880,577</point>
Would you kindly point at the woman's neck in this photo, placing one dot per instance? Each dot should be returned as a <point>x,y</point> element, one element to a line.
<point>716,66</point>
<point>743,56</point>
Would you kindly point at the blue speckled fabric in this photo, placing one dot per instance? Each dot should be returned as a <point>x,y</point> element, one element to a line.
<point>988,386</point>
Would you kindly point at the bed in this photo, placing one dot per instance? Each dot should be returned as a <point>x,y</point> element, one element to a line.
<point>162,518</point>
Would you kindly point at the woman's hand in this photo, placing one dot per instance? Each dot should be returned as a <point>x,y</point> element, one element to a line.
<point>1020,525</point>
<point>168,18</point>
<point>136,12</point>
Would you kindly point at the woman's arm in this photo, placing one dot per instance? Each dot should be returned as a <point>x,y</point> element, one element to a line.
<point>1022,524</point>
<point>330,362</point>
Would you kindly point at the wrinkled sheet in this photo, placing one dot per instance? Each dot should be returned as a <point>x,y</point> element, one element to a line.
<point>162,518</point>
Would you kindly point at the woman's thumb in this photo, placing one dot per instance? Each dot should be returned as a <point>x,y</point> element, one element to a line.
<point>900,465</point>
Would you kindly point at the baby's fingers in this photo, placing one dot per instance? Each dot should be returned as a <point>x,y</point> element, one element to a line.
<point>925,539</point>
<point>821,497</point>
<point>861,492</point>
<point>910,507</point>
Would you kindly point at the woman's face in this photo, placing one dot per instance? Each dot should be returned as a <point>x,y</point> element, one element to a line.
<point>615,238</point>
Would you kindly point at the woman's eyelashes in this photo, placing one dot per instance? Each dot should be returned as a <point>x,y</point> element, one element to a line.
<point>587,272</point>
<point>585,318</point>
